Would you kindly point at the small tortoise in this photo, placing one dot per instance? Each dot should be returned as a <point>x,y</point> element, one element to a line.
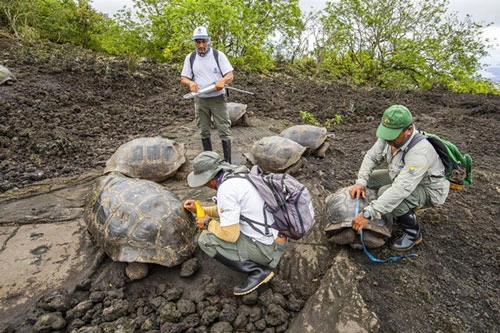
<point>314,138</point>
<point>277,154</point>
<point>139,221</point>
<point>238,114</point>
<point>152,158</point>
<point>6,76</point>
<point>341,208</point>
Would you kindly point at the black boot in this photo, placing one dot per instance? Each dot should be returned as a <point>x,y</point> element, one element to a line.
<point>257,274</point>
<point>411,232</point>
<point>207,144</point>
<point>226,148</point>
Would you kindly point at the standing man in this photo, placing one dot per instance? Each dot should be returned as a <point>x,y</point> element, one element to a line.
<point>414,177</point>
<point>241,246</point>
<point>202,68</point>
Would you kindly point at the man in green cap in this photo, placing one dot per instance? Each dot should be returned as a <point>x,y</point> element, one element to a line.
<point>233,241</point>
<point>414,178</point>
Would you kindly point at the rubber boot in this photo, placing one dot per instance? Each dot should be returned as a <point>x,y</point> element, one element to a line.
<point>257,274</point>
<point>226,148</point>
<point>411,232</point>
<point>207,144</point>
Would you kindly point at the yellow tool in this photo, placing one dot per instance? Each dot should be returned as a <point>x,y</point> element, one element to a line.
<point>200,212</point>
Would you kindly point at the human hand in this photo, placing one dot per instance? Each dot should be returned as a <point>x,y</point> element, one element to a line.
<point>359,222</point>
<point>200,222</point>
<point>357,191</point>
<point>193,87</point>
<point>219,85</point>
<point>189,205</point>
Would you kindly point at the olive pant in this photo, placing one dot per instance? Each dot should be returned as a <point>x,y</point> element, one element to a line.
<point>379,180</point>
<point>212,107</point>
<point>243,249</point>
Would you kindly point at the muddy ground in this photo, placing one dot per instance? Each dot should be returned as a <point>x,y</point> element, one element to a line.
<point>70,109</point>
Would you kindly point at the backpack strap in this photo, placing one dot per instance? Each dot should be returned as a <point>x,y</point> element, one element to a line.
<point>191,61</point>
<point>216,56</point>
<point>192,57</point>
<point>416,139</point>
<point>441,151</point>
<point>264,208</point>
<point>252,222</point>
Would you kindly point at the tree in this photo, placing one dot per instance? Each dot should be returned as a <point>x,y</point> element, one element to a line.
<point>16,14</point>
<point>62,21</point>
<point>403,43</point>
<point>240,28</point>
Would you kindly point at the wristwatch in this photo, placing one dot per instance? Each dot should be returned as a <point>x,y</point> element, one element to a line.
<point>207,222</point>
<point>366,214</point>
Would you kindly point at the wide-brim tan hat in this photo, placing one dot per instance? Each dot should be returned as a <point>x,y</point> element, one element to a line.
<point>205,167</point>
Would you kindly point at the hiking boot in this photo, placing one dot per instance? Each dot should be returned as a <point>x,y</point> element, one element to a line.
<point>257,274</point>
<point>411,232</point>
<point>226,148</point>
<point>207,144</point>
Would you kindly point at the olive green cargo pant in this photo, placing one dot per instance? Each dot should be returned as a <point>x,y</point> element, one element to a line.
<point>212,107</point>
<point>243,249</point>
<point>379,180</point>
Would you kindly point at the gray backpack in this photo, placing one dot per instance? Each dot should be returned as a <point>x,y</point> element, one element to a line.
<point>286,198</point>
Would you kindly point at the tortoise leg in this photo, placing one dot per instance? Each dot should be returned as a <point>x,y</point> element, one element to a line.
<point>293,169</point>
<point>321,151</point>
<point>244,121</point>
<point>136,270</point>
<point>372,240</point>
<point>346,236</point>
<point>183,171</point>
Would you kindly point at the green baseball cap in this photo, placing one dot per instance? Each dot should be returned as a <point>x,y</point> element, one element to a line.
<point>205,167</point>
<point>394,120</point>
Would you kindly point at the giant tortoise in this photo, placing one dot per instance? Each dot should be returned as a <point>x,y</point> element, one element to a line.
<point>6,76</point>
<point>341,208</point>
<point>138,221</point>
<point>277,154</point>
<point>314,138</point>
<point>152,158</point>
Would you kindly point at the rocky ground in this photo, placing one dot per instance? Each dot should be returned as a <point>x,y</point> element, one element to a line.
<point>70,109</point>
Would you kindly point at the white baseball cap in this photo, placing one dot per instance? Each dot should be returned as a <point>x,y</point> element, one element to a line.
<point>201,33</point>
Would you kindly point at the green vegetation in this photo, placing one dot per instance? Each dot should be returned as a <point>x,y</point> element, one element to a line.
<point>308,118</point>
<point>337,120</point>
<point>403,44</point>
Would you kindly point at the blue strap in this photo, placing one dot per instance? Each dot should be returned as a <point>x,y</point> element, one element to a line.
<point>372,258</point>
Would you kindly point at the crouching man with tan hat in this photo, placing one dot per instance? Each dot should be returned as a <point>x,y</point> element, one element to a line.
<point>237,244</point>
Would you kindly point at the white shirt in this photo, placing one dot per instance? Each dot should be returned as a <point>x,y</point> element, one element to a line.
<point>206,71</point>
<point>237,196</point>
